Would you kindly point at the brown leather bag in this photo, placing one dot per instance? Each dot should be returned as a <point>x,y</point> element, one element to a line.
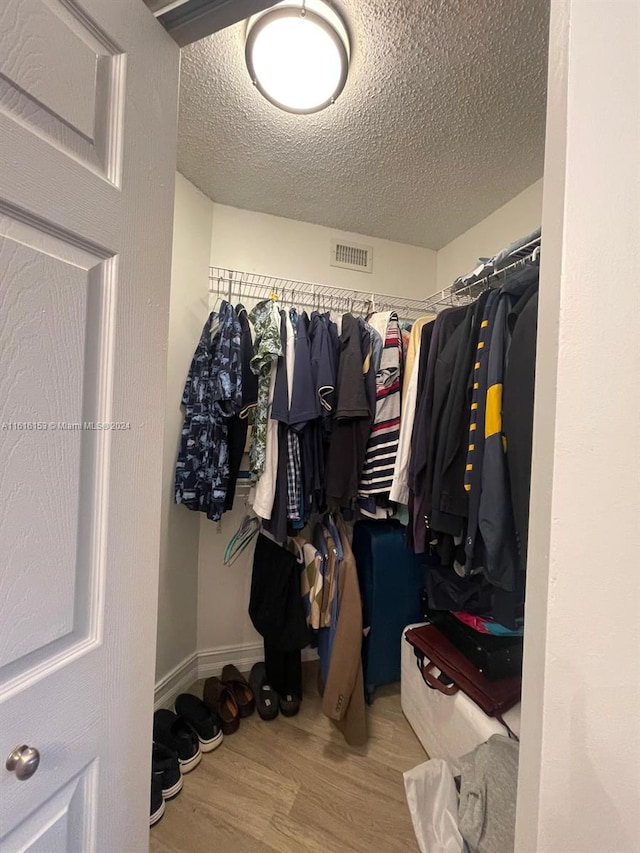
<point>434,651</point>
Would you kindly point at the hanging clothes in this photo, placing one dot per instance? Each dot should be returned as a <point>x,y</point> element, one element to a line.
<point>517,412</point>
<point>267,349</point>
<point>352,423</point>
<point>211,396</point>
<point>449,500</point>
<point>423,440</point>
<point>343,700</point>
<point>382,446</point>
<point>276,524</point>
<point>239,424</point>
<point>413,351</point>
<point>264,437</point>
<point>495,512</point>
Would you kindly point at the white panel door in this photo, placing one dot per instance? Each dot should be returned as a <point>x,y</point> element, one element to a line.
<point>88,105</point>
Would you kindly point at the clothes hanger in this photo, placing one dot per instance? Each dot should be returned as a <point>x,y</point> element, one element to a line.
<point>249,527</point>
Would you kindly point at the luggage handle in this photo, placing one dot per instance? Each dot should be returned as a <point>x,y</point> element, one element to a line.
<point>430,679</point>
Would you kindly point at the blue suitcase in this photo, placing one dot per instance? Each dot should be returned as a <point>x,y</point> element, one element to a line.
<point>391,579</point>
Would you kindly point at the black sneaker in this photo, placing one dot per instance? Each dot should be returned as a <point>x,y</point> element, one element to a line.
<point>176,733</point>
<point>165,763</point>
<point>157,800</point>
<point>267,700</point>
<point>205,724</point>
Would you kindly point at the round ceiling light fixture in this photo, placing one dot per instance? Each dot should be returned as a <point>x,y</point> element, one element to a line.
<point>298,55</point>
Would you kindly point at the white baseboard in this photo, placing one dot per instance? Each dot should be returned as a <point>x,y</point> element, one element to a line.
<point>210,662</point>
<point>176,681</point>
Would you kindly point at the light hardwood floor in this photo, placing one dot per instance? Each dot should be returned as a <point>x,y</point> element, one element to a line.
<point>293,785</point>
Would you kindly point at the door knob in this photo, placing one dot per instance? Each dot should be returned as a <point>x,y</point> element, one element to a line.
<point>23,761</point>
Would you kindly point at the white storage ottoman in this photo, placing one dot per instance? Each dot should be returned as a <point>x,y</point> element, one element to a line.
<point>447,726</point>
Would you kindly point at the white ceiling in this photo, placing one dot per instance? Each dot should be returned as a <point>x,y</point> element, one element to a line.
<point>440,123</point>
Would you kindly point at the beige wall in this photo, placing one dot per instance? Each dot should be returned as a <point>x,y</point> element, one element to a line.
<point>260,243</point>
<point>178,593</point>
<point>515,219</point>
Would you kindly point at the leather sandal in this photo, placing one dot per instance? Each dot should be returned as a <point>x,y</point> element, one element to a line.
<point>220,700</point>
<point>238,684</point>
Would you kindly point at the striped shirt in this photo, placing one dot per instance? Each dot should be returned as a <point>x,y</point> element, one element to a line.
<point>382,447</point>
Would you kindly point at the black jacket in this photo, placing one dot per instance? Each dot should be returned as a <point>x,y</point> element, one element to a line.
<point>450,502</point>
<point>517,411</point>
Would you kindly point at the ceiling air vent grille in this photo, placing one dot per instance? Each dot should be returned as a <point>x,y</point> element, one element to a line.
<point>351,256</point>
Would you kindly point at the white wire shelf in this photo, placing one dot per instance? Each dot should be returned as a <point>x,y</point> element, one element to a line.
<point>234,285</point>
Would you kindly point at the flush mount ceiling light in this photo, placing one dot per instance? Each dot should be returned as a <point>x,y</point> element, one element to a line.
<point>298,54</point>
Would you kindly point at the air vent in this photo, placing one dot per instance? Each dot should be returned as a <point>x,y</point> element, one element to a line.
<point>350,256</point>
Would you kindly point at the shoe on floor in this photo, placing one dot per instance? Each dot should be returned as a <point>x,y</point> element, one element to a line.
<point>157,800</point>
<point>220,700</point>
<point>205,724</point>
<point>289,704</point>
<point>165,764</point>
<point>242,692</point>
<point>175,733</point>
<point>266,697</point>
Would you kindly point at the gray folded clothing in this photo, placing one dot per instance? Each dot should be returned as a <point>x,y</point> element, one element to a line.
<point>503,258</point>
<point>488,789</point>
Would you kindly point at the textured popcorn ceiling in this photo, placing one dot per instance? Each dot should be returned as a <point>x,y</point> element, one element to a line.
<point>440,123</point>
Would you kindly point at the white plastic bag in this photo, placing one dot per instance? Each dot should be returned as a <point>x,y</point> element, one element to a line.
<point>433,802</point>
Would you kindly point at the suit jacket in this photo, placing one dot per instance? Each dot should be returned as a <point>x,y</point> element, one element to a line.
<point>343,700</point>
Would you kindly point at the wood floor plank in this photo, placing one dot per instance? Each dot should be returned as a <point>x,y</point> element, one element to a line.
<point>293,785</point>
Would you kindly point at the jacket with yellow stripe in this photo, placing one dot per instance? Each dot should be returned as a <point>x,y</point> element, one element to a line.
<point>495,511</point>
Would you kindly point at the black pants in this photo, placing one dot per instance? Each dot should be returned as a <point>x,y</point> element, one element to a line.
<point>284,670</point>
<point>237,437</point>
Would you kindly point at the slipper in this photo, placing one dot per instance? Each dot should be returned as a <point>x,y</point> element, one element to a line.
<point>233,678</point>
<point>219,699</point>
<point>267,701</point>
<point>289,704</point>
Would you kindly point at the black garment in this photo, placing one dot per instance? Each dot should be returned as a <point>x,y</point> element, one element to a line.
<point>419,470</point>
<point>236,439</point>
<point>304,407</point>
<point>495,514</point>
<point>284,670</point>
<point>450,502</point>
<point>517,409</point>
<point>324,368</point>
<point>366,350</point>
<point>352,423</point>
<point>474,549</point>
<point>425,345</point>
<point>275,604</point>
<point>238,424</point>
<point>446,363</point>
<point>448,591</point>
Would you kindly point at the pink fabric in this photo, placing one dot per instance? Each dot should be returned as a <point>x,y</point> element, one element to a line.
<point>479,623</point>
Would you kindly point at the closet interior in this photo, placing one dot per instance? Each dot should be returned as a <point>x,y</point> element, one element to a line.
<point>348,434</point>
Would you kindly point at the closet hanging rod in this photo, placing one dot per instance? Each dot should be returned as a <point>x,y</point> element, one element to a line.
<point>527,254</point>
<point>228,284</point>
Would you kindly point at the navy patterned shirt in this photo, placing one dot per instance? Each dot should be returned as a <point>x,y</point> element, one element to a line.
<point>212,394</point>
